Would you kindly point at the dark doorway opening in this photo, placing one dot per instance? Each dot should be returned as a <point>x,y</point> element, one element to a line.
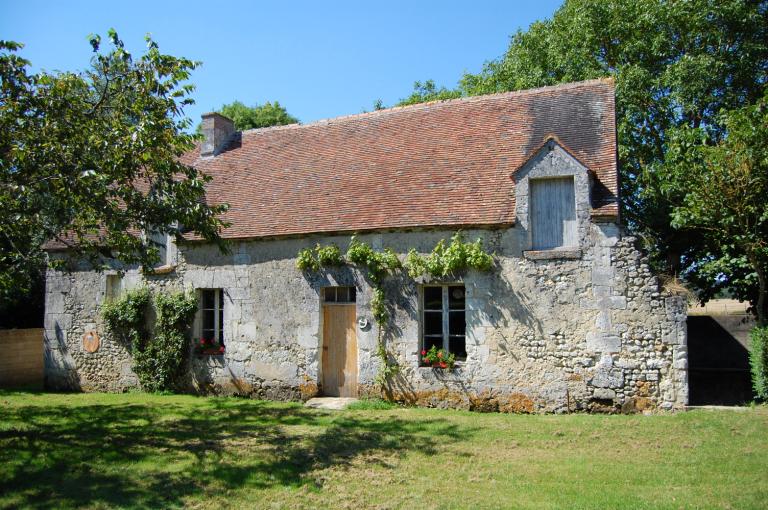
<point>718,365</point>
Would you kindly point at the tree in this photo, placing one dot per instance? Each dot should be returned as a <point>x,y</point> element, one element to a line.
<point>724,186</point>
<point>257,116</point>
<point>91,160</point>
<point>676,65</point>
<point>428,91</point>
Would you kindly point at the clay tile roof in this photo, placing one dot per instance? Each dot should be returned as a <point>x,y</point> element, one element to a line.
<point>444,163</point>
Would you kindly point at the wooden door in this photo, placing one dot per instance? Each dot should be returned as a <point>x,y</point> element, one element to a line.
<point>339,350</point>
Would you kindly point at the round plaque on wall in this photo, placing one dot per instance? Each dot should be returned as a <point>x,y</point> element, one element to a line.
<point>91,341</point>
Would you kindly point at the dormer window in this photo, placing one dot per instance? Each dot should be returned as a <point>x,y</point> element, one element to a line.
<point>552,203</point>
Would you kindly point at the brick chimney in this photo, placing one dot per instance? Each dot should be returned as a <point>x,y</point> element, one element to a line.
<point>217,130</point>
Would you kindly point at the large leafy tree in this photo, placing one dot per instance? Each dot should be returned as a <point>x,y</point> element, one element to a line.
<point>257,116</point>
<point>91,160</point>
<point>676,64</point>
<point>724,189</point>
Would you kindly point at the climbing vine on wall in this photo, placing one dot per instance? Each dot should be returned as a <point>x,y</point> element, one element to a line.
<point>449,259</point>
<point>444,260</point>
<point>158,354</point>
<point>377,265</point>
<point>126,317</point>
<point>310,259</point>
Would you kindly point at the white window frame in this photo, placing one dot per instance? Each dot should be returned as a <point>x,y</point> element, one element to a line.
<point>446,311</point>
<point>218,308</point>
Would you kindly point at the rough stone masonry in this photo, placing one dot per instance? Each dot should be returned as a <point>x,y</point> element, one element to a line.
<point>543,335</point>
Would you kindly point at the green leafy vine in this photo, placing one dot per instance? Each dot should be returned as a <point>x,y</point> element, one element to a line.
<point>451,259</point>
<point>445,260</point>
<point>378,266</point>
<point>157,355</point>
<point>310,259</point>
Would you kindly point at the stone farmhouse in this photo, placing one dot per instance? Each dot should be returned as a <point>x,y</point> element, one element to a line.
<point>569,317</point>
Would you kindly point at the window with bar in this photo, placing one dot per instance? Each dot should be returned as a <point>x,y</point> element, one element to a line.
<point>212,312</point>
<point>339,295</point>
<point>443,320</point>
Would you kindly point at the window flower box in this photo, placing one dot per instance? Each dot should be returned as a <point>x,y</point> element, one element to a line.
<point>438,358</point>
<point>209,347</point>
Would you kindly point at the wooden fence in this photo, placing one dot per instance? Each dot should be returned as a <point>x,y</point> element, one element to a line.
<point>21,358</point>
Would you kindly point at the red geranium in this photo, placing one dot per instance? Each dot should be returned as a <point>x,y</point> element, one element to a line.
<point>437,358</point>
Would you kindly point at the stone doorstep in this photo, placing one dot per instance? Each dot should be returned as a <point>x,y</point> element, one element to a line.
<point>331,403</point>
<point>719,408</point>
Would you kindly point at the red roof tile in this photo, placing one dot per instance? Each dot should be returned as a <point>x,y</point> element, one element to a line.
<point>445,163</point>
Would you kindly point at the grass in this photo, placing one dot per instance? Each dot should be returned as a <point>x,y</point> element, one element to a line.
<point>371,404</point>
<point>151,451</point>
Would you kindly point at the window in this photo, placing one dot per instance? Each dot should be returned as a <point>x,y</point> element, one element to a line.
<point>160,241</point>
<point>339,295</point>
<point>212,309</point>
<point>443,322</point>
<point>553,213</point>
<point>114,287</point>
<point>165,244</point>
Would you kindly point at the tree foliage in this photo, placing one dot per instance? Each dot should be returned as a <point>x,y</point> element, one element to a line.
<point>758,361</point>
<point>429,91</point>
<point>676,65</point>
<point>257,116</point>
<point>91,159</point>
<point>724,190</point>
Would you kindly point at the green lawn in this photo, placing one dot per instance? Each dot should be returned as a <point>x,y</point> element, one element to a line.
<point>149,451</point>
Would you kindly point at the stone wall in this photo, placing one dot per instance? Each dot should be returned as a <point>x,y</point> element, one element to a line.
<point>546,332</point>
<point>21,364</point>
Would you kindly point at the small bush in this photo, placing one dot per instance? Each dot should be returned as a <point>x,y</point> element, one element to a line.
<point>758,361</point>
<point>158,363</point>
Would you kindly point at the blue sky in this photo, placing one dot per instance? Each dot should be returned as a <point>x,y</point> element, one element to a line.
<point>319,59</point>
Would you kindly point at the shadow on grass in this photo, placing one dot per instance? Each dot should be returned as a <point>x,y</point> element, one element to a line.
<point>156,454</point>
